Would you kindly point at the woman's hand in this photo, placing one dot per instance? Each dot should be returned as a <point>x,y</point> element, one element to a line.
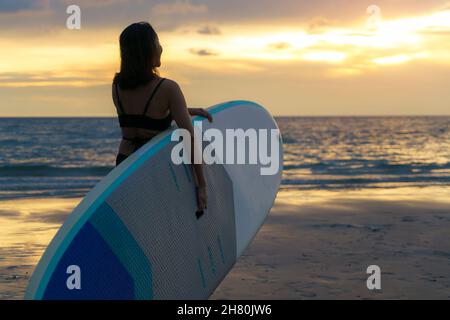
<point>201,198</point>
<point>200,112</point>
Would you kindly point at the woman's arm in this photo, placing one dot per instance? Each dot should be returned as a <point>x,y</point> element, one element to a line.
<point>180,113</point>
<point>200,112</point>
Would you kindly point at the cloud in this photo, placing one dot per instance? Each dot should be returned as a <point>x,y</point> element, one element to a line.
<point>21,5</point>
<point>280,45</point>
<point>209,30</point>
<point>318,24</point>
<point>440,33</point>
<point>203,52</point>
<point>445,7</point>
<point>47,79</point>
<point>169,15</point>
<point>178,7</point>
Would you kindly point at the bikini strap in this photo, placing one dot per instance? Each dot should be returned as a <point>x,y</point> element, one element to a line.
<point>151,97</point>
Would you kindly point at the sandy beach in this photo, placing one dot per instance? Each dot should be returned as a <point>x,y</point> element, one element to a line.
<point>314,245</point>
<point>320,249</point>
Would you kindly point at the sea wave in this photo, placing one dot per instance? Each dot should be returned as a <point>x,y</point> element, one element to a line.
<point>52,171</point>
<point>364,166</point>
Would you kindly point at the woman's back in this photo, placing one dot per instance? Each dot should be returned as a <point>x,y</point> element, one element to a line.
<point>134,101</point>
<point>143,112</point>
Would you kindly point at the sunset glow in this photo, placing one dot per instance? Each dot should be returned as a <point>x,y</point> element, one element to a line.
<point>89,57</point>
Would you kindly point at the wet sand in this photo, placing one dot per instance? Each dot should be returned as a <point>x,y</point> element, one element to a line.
<point>26,228</point>
<point>319,246</point>
<point>314,245</point>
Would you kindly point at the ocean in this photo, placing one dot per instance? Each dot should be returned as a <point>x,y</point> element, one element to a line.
<point>66,157</point>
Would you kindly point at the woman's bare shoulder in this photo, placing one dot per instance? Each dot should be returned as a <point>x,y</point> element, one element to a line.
<point>171,84</point>
<point>171,88</point>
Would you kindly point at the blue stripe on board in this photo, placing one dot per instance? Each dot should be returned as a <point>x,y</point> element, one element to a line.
<point>211,261</point>
<point>109,225</point>
<point>222,256</point>
<point>186,171</point>
<point>202,274</point>
<point>174,176</point>
<point>98,267</point>
<point>59,251</point>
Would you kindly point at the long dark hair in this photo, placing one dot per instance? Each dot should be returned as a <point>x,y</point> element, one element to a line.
<point>137,52</point>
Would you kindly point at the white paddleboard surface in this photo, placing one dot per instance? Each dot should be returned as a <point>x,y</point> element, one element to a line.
<point>136,234</point>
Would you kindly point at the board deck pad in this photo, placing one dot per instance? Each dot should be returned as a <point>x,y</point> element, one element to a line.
<point>136,235</point>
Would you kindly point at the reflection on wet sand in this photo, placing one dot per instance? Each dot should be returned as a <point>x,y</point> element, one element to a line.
<point>26,228</point>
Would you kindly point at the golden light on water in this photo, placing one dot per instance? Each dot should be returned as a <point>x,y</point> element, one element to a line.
<point>28,225</point>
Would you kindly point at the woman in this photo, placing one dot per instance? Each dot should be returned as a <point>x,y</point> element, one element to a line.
<point>146,103</point>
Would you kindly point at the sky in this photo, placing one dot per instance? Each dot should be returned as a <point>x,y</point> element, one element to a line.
<point>295,57</point>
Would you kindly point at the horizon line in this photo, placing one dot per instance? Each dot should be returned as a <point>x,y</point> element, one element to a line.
<point>276,116</point>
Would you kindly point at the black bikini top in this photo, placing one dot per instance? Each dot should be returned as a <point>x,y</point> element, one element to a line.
<point>142,121</point>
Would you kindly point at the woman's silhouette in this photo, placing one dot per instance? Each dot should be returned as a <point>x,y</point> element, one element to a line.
<point>146,103</point>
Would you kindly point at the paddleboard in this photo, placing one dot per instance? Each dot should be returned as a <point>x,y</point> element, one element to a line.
<point>136,234</point>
